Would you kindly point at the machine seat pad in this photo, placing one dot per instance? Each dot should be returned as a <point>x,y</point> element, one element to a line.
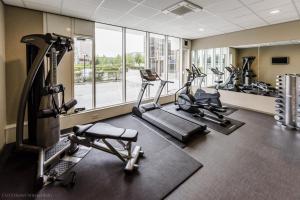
<point>103,130</point>
<point>80,129</point>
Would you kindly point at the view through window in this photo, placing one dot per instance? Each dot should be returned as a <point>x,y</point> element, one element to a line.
<point>135,60</point>
<point>157,45</point>
<point>103,78</point>
<point>108,65</point>
<point>173,64</point>
<point>83,72</point>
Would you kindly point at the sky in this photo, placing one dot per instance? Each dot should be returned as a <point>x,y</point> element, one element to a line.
<point>109,43</point>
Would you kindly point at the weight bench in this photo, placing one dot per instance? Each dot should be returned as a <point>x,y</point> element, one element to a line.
<point>96,135</point>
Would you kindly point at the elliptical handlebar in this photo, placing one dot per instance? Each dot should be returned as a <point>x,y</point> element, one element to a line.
<point>216,71</point>
<point>196,72</point>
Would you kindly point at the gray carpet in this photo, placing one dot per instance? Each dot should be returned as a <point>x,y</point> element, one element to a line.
<point>101,176</point>
<point>260,161</point>
<point>229,110</point>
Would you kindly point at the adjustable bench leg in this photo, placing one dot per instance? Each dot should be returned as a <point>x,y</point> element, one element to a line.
<point>113,150</point>
<point>131,163</point>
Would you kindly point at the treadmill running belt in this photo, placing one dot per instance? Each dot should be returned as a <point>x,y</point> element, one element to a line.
<point>176,126</point>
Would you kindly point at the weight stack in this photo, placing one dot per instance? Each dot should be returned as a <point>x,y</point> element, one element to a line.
<point>298,102</point>
<point>280,100</point>
<point>288,101</point>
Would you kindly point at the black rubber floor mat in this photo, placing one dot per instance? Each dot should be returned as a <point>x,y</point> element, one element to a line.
<point>234,125</point>
<point>101,175</point>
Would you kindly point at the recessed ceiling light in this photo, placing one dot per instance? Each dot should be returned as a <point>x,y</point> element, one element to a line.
<point>274,12</point>
<point>201,29</point>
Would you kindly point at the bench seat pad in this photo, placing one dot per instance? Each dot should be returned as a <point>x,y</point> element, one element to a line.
<point>103,130</point>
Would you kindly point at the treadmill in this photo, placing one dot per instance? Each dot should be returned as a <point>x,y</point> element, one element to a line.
<point>174,125</point>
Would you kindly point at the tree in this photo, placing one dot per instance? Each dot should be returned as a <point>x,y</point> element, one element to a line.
<point>129,60</point>
<point>139,59</point>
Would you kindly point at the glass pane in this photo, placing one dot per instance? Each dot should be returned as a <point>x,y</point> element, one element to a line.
<point>135,60</point>
<point>83,72</point>
<point>218,58</point>
<point>194,58</point>
<point>185,62</point>
<point>108,63</point>
<point>200,64</point>
<point>209,65</point>
<point>173,64</point>
<point>157,59</point>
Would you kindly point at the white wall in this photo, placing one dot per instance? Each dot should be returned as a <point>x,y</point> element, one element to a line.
<point>258,103</point>
<point>2,78</point>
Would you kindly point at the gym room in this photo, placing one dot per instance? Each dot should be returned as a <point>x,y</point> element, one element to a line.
<point>150,99</point>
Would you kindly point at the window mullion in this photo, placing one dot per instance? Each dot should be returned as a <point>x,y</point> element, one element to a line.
<point>166,63</point>
<point>124,65</point>
<point>94,70</point>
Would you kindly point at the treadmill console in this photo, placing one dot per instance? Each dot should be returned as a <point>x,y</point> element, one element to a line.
<point>149,75</point>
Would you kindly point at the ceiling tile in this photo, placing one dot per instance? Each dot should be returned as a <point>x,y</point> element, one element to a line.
<point>80,8</point>
<point>249,21</point>
<point>43,5</point>
<point>144,11</point>
<point>117,5</point>
<point>223,6</point>
<point>14,2</point>
<point>287,13</point>
<point>163,18</point>
<point>106,16</point>
<point>136,1</point>
<point>129,20</point>
<point>268,5</point>
<point>160,4</point>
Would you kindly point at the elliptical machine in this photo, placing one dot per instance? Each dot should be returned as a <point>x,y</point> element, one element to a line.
<point>201,100</point>
<point>232,82</point>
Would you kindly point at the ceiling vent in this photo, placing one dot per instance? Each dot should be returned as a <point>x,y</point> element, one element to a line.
<point>182,8</point>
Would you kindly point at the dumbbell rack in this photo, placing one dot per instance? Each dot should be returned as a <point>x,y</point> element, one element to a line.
<point>288,101</point>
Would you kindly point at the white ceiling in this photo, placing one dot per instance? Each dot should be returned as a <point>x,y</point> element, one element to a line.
<point>217,17</point>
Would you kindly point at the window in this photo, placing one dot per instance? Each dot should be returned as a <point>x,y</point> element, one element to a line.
<point>157,59</point>
<point>209,65</point>
<point>108,65</point>
<point>186,62</point>
<point>200,60</point>
<point>218,58</point>
<point>135,60</point>
<point>106,68</point>
<point>83,72</point>
<point>173,64</point>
